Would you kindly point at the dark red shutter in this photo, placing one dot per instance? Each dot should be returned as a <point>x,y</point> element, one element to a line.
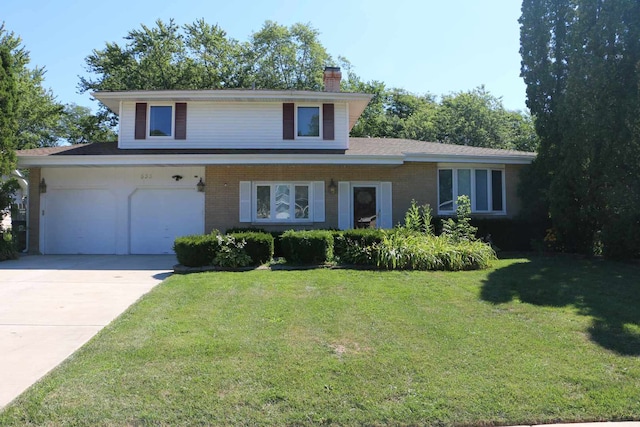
<point>288,126</point>
<point>181,120</point>
<point>328,122</point>
<point>141,120</point>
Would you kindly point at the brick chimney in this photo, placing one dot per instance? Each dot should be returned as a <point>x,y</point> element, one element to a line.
<point>332,77</point>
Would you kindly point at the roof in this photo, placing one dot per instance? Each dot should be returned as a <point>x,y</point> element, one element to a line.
<point>357,101</point>
<point>361,151</point>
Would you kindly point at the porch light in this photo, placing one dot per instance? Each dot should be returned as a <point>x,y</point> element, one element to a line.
<point>332,187</point>
<point>200,186</point>
<point>43,186</point>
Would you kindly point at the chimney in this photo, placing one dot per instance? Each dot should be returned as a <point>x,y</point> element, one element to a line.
<point>332,77</point>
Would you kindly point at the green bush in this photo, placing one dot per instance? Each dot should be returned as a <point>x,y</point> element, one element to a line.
<point>7,247</point>
<point>231,252</point>
<point>196,250</point>
<point>307,247</point>
<point>356,246</point>
<point>402,250</point>
<point>258,245</point>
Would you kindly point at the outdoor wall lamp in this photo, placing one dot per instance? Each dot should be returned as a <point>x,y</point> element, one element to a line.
<point>177,177</point>
<point>200,186</point>
<point>332,186</point>
<point>43,186</point>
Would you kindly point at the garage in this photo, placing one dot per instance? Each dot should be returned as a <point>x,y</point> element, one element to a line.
<point>158,216</point>
<point>79,221</point>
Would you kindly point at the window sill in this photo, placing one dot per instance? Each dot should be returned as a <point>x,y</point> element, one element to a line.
<point>290,223</point>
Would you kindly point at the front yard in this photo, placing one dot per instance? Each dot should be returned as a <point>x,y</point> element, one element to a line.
<point>528,341</point>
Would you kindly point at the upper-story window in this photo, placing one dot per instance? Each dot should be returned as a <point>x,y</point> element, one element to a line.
<point>163,121</point>
<point>308,121</point>
<point>160,120</point>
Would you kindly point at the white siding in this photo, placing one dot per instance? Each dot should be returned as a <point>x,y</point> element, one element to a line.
<point>234,125</point>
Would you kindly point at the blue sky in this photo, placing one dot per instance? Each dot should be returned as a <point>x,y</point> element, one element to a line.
<point>423,46</point>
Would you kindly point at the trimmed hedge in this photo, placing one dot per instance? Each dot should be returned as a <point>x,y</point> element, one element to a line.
<point>355,246</point>
<point>259,245</point>
<point>307,247</point>
<point>201,250</point>
<point>196,250</point>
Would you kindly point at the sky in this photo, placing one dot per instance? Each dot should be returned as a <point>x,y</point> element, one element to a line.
<point>422,46</point>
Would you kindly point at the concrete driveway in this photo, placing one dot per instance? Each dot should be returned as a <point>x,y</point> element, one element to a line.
<point>50,305</point>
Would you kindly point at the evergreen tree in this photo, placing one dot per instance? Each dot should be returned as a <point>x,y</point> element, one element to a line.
<point>581,64</point>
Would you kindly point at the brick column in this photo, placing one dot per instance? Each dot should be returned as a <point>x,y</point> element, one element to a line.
<point>33,224</point>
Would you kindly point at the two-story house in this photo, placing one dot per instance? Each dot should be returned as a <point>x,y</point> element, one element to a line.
<point>190,161</point>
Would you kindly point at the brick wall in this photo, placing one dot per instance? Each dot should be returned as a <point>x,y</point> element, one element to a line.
<point>412,180</point>
<point>34,211</point>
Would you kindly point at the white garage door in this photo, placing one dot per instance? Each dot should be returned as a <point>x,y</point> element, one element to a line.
<point>79,222</point>
<point>159,216</point>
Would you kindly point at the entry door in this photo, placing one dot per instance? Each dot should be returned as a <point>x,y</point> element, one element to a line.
<point>365,206</point>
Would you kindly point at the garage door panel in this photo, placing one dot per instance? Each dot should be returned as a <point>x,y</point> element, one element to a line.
<point>80,221</point>
<point>158,216</point>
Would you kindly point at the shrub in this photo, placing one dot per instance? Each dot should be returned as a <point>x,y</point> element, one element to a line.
<point>418,251</point>
<point>7,247</point>
<point>460,229</point>
<point>196,250</point>
<point>418,218</point>
<point>307,247</point>
<point>258,245</point>
<point>357,246</point>
<point>231,252</point>
<point>621,237</point>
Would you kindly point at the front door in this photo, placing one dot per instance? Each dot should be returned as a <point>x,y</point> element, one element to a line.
<point>365,208</point>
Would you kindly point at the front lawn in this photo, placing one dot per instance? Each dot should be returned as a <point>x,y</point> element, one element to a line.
<point>529,341</point>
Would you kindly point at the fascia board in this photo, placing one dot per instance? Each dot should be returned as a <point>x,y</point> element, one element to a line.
<point>217,159</point>
<point>448,158</point>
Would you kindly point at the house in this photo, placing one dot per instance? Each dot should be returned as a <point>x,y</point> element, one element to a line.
<point>190,161</point>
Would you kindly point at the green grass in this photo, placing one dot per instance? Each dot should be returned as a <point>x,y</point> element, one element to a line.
<point>529,341</point>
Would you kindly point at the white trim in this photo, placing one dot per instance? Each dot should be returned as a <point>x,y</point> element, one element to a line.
<point>374,184</point>
<point>454,183</point>
<point>296,122</point>
<point>311,202</point>
<point>173,121</point>
<point>207,159</point>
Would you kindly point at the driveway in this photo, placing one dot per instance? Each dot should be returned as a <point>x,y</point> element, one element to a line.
<point>50,305</point>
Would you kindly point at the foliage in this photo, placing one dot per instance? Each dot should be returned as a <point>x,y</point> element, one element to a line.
<point>477,118</point>
<point>460,228</point>
<point>579,62</point>
<point>80,126</point>
<point>7,247</point>
<point>230,252</point>
<point>202,56</point>
<point>258,245</point>
<point>418,251</point>
<point>8,101</point>
<point>307,247</point>
<point>419,218</point>
<point>36,111</point>
<point>357,246</point>
<point>474,118</point>
<point>196,250</point>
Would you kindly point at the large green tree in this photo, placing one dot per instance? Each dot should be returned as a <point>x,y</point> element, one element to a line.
<point>8,106</point>
<point>581,65</point>
<point>37,112</point>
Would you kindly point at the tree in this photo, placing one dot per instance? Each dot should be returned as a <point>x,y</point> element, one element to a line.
<point>80,126</point>
<point>8,107</point>
<point>580,62</point>
<point>37,112</point>
<point>478,119</point>
<point>287,58</point>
